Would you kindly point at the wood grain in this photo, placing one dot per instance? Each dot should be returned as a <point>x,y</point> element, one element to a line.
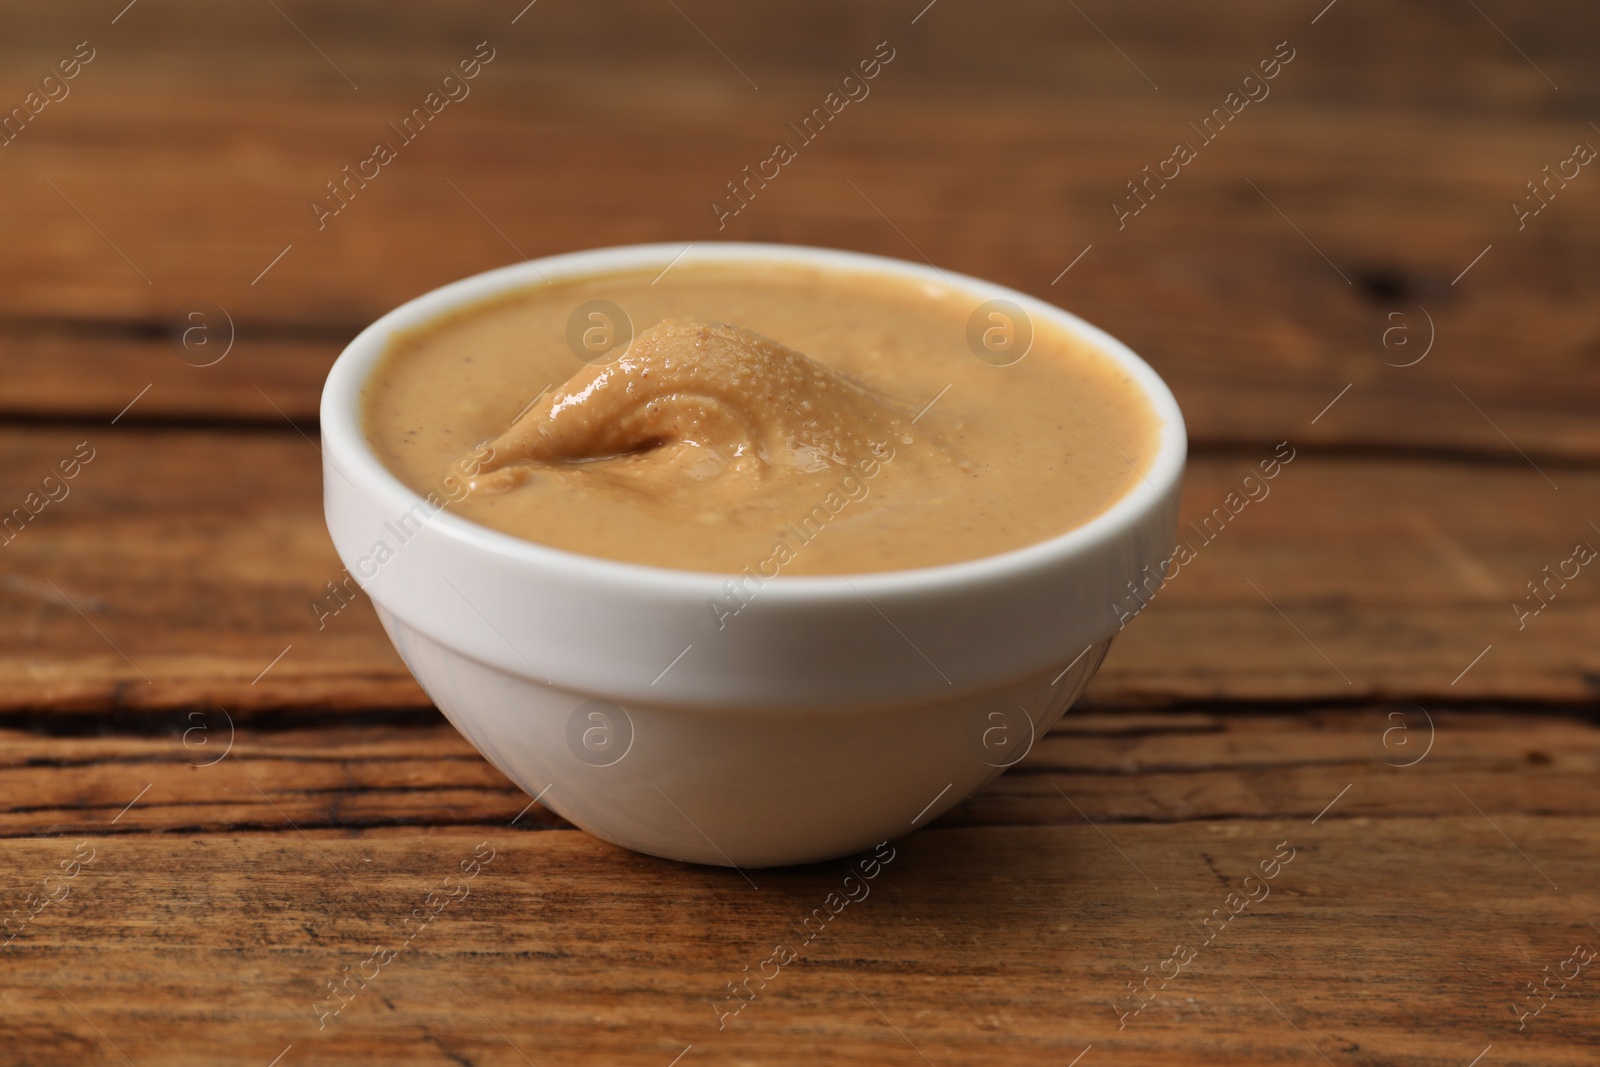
<point>201,772</point>
<point>974,945</point>
<point>161,372</point>
<point>1258,331</point>
<point>184,562</point>
<point>1340,666</point>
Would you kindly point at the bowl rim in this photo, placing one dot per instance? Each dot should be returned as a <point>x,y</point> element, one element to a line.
<point>347,450</point>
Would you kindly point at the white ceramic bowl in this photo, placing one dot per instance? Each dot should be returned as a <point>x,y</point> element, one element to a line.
<point>831,714</point>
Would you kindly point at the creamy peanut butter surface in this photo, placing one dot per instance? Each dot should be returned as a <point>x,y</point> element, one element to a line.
<point>759,419</point>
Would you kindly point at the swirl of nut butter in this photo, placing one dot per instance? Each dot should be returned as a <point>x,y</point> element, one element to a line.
<point>692,400</point>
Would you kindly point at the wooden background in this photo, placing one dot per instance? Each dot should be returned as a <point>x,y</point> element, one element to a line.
<point>1342,669</point>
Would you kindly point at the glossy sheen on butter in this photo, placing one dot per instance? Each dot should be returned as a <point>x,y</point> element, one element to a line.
<point>765,420</point>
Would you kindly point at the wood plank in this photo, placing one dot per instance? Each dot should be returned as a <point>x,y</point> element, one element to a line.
<point>971,947</point>
<point>194,773</point>
<point>1437,871</point>
<point>1049,52</point>
<point>1257,333</point>
<point>181,567</point>
<point>144,372</point>
<point>185,562</point>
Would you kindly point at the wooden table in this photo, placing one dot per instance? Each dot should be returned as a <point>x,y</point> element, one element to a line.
<point>230,807</point>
